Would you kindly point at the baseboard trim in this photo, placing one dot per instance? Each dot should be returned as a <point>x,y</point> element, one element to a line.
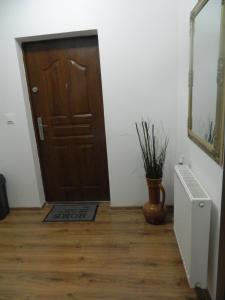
<point>170,208</point>
<point>73,202</point>
<point>203,294</point>
<point>125,207</point>
<point>28,208</point>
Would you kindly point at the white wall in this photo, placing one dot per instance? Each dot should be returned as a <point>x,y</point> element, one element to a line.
<point>208,172</point>
<point>139,71</point>
<point>140,49</point>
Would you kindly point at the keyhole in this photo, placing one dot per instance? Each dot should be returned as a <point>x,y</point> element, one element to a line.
<point>34,89</point>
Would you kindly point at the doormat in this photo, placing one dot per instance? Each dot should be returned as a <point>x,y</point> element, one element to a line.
<point>72,212</point>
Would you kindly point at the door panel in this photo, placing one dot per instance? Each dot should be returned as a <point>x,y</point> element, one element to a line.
<point>78,88</point>
<point>55,90</point>
<point>69,101</point>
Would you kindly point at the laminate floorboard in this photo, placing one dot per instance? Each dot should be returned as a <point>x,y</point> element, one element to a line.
<point>117,257</point>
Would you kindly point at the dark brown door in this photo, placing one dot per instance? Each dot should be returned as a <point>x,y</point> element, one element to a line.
<point>66,99</point>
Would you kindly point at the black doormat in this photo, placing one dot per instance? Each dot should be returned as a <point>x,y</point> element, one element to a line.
<point>72,212</point>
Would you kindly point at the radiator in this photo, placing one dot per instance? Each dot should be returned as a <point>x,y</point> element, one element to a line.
<point>192,210</point>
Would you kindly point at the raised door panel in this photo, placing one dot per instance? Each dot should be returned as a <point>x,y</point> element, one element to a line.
<point>71,130</point>
<point>55,89</point>
<point>89,173</point>
<point>78,88</point>
<point>64,169</point>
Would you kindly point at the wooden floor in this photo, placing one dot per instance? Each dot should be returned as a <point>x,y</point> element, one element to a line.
<point>118,257</point>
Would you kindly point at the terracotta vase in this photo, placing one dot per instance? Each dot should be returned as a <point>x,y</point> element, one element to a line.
<point>154,210</point>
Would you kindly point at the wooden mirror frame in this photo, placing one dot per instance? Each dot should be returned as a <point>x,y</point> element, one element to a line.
<point>214,150</point>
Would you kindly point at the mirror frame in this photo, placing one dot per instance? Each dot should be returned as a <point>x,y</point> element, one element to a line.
<point>214,150</point>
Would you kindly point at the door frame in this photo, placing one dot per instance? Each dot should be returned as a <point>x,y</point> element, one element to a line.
<point>31,130</point>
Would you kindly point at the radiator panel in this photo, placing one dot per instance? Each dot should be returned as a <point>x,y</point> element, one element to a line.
<point>192,209</point>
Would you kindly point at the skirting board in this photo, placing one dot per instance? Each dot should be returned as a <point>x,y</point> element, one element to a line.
<point>28,207</point>
<point>125,207</point>
<point>203,294</point>
<point>169,207</point>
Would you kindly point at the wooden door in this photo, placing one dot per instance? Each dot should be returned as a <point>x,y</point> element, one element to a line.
<point>66,98</point>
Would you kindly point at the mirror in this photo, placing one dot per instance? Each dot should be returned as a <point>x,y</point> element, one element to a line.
<point>206,77</point>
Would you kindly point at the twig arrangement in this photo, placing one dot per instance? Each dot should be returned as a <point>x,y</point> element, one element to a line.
<point>210,134</point>
<point>153,150</point>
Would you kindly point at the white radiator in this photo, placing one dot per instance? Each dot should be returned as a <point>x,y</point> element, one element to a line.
<point>192,210</point>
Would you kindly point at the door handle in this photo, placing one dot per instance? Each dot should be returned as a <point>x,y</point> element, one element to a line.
<point>40,128</point>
